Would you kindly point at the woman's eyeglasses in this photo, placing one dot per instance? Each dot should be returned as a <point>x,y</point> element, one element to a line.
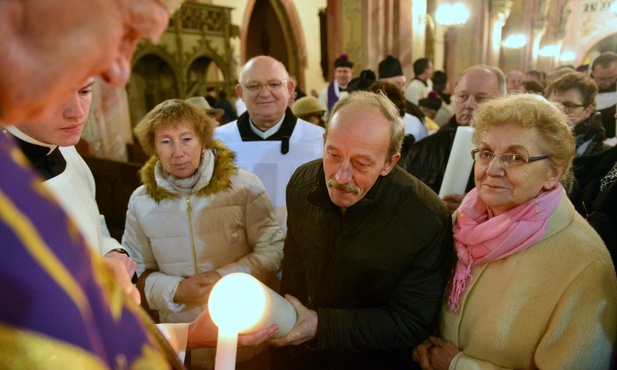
<point>485,157</point>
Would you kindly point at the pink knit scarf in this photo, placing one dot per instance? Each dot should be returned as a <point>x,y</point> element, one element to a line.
<point>480,238</point>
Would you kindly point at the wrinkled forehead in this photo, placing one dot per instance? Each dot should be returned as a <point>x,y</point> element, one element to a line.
<point>478,82</point>
<point>65,42</point>
<point>263,70</point>
<point>607,69</point>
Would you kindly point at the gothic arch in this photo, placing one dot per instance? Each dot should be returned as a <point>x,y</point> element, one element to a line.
<point>291,51</point>
<point>227,82</point>
<point>155,77</point>
<point>595,43</point>
<point>144,49</point>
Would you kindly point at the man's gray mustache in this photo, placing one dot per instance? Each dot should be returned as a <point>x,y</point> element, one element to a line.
<point>350,188</point>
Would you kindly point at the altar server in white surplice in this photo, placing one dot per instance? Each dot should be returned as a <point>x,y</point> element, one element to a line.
<point>268,139</point>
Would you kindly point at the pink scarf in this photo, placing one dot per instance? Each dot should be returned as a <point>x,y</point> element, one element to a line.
<point>480,238</point>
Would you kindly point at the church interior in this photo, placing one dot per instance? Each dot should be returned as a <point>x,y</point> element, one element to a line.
<point>207,42</point>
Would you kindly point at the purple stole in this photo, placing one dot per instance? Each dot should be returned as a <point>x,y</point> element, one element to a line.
<point>332,97</point>
<point>50,283</point>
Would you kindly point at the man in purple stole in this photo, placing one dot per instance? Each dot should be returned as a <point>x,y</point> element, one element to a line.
<point>60,308</point>
<point>337,89</point>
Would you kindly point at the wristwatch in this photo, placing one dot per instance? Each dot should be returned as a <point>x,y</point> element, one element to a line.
<point>119,250</point>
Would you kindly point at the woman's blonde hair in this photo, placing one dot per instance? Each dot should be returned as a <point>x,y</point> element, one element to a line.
<point>173,113</point>
<point>530,111</point>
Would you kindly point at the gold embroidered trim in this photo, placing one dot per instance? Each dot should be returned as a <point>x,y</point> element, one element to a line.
<point>21,349</point>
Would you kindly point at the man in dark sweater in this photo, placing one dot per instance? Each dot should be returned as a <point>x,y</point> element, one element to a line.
<point>368,248</point>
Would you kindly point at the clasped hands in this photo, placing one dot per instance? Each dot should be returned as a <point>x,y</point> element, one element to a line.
<point>435,354</point>
<point>195,290</point>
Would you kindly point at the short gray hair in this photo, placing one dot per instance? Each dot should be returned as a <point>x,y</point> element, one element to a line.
<point>378,102</point>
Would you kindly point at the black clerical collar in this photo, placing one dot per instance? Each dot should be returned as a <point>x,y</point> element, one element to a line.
<point>46,160</point>
<point>283,134</point>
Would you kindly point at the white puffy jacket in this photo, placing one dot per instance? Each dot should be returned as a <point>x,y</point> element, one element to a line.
<point>227,226</point>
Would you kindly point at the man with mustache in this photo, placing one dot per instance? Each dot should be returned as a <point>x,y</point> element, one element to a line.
<point>367,250</point>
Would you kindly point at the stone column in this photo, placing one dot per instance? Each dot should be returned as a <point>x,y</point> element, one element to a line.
<point>499,13</point>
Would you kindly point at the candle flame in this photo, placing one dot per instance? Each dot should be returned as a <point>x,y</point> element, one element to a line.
<point>237,302</point>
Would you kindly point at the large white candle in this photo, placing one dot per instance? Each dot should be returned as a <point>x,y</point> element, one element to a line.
<point>459,163</point>
<point>226,348</point>
<point>239,303</point>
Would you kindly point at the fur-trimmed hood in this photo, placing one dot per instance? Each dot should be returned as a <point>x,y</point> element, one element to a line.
<point>224,169</point>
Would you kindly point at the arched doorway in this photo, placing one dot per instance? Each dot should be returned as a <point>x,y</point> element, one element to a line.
<point>204,73</point>
<point>152,82</point>
<point>273,27</point>
<point>609,43</point>
<point>265,33</point>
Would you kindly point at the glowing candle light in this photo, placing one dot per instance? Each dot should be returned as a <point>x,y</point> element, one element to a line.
<point>239,303</point>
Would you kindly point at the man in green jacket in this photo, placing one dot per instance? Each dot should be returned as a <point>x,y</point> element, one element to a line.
<point>368,248</point>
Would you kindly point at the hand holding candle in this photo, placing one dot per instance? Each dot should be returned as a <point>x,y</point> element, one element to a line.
<point>239,303</point>
<point>305,328</point>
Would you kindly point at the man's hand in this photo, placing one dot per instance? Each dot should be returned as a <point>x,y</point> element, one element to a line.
<point>128,262</point>
<point>119,273</point>
<point>453,201</point>
<point>196,289</point>
<point>203,333</point>
<point>305,328</point>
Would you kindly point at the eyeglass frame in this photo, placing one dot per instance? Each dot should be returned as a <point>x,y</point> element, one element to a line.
<point>257,87</point>
<point>610,79</point>
<point>572,106</point>
<point>501,157</point>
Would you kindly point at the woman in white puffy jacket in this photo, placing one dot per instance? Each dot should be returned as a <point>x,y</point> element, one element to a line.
<point>196,218</point>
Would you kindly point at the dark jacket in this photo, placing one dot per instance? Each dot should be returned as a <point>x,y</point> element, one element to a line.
<point>589,135</point>
<point>597,205</point>
<point>375,274</point>
<point>427,159</point>
<point>608,120</point>
<point>415,111</point>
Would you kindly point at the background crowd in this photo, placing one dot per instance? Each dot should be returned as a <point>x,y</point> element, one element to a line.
<point>330,200</point>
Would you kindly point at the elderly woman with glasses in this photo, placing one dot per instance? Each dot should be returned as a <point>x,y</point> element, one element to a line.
<point>534,286</point>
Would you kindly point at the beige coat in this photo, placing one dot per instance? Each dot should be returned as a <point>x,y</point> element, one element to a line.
<point>552,306</point>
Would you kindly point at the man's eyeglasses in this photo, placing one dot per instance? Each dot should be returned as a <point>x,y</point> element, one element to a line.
<point>611,79</point>
<point>571,106</point>
<point>255,87</point>
<point>485,157</point>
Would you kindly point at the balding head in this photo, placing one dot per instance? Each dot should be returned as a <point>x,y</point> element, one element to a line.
<point>265,88</point>
<point>477,84</point>
<point>49,47</point>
